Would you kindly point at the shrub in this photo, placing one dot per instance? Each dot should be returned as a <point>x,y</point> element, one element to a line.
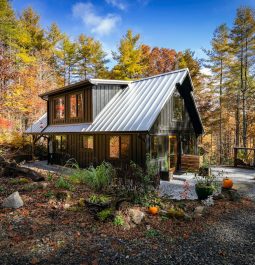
<point>19,181</point>
<point>152,233</point>
<point>104,214</point>
<point>100,199</point>
<point>62,183</point>
<point>118,220</point>
<point>98,178</point>
<point>1,189</point>
<point>49,194</point>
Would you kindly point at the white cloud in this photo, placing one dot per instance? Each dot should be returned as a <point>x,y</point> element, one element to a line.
<point>117,3</point>
<point>101,25</point>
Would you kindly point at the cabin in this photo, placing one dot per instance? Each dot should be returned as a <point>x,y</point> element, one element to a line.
<point>120,121</point>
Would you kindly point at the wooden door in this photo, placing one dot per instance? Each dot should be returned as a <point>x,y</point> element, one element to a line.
<point>172,153</point>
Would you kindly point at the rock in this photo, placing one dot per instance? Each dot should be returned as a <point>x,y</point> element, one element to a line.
<point>199,210</point>
<point>219,196</point>
<point>197,215</point>
<point>136,215</point>
<point>13,201</point>
<point>231,194</point>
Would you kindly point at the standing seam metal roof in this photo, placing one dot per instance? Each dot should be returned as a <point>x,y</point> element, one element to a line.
<point>133,109</point>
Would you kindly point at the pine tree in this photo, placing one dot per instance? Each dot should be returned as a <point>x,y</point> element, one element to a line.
<point>91,58</point>
<point>218,63</point>
<point>243,47</point>
<point>129,58</point>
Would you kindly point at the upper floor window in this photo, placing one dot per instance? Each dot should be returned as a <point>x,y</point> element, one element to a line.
<point>75,104</point>
<point>119,146</point>
<point>59,108</point>
<point>178,107</point>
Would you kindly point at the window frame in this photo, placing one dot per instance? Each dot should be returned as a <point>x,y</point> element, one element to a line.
<point>79,113</point>
<point>54,108</point>
<point>176,95</point>
<point>61,150</point>
<point>93,143</point>
<point>120,157</point>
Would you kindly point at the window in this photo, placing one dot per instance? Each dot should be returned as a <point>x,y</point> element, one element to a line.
<point>159,146</point>
<point>88,142</point>
<point>189,144</point>
<point>178,107</point>
<point>61,143</point>
<point>114,147</point>
<point>75,103</point>
<point>119,146</point>
<point>59,108</point>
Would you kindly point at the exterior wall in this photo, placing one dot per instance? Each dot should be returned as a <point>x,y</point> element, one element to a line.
<point>101,95</point>
<point>87,107</point>
<point>95,99</point>
<point>166,124</point>
<point>85,158</point>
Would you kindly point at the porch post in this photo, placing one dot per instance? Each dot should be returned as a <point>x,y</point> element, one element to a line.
<point>33,148</point>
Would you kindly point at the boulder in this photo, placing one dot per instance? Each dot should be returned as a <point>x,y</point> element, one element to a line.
<point>199,210</point>
<point>136,215</point>
<point>13,201</point>
<point>231,194</point>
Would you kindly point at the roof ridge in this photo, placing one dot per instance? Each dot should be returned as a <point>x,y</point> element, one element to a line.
<point>167,73</point>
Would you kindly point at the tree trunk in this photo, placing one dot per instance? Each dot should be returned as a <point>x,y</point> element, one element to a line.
<point>221,111</point>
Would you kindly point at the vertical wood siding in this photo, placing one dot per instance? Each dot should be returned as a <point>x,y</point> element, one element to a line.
<point>85,158</point>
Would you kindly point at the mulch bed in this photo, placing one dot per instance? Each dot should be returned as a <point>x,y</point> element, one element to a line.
<point>45,232</point>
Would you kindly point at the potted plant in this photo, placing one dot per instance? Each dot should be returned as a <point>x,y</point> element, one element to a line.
<point>205,186</point>
<point>164,169</point>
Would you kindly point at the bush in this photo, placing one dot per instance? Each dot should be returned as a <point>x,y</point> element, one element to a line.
<point>104,214</point>
<point>118,220</point>
<point>99,199</point>
<point>98,178</point>
<point>62,183</point>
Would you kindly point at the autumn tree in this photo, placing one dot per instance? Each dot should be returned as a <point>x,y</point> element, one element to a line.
<point>91,58</point>
<point>218,63</point>
<point>243,48</point>
<point>129,58</point>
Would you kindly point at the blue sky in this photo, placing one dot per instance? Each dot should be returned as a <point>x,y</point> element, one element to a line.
<point>177,24</point>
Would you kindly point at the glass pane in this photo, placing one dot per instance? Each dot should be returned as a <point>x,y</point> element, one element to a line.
<point>63,142</point>
<point>125,143</point>
<point>58,142</point>
<point>73,106</point>
<point>114,147</point>
<point>88,142</point>
<point>178,108</point>
<point>79,105</point>
<point>59,106</point>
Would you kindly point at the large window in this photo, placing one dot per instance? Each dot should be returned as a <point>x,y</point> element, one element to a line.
<point>88,142</point>
<point>60,143</point>
<point>75,105</point>
<point>159,146</point>
<point>178,107</point>
<point>59,108</point>
<point>189,143</point>
<point>119,147</point>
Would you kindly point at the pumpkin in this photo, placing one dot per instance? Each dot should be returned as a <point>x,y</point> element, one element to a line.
<point>227,183</point>
<point>153,210</point>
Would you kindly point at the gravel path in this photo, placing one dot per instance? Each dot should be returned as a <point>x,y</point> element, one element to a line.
<point>229,241</point>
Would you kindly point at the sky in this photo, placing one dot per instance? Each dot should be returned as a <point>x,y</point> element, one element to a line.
<point>176,24</point>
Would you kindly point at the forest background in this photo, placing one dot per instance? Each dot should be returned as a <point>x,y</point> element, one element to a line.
<point>34,60</point>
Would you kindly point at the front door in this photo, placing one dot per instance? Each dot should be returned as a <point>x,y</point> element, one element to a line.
<point>172,153</point>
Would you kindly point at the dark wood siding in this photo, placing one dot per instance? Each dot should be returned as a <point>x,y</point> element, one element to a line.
<point>166,124</point>
<point>86,158</point>
<point>101,95</point>
<point>87,107</point>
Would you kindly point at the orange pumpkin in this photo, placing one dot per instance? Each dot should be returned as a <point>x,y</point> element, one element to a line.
<point>227,183</point>
<point>153,210</point>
